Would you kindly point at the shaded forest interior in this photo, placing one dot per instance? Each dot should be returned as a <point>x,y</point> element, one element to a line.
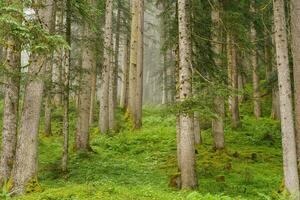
<point>150,99</point>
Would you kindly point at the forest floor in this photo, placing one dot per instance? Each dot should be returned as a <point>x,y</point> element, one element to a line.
<point>138,165</point>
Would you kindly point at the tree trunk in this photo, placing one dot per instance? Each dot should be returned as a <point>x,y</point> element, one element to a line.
<point>93,94</point>
<point>49,87</point>
<point>218,122</point>
<point>140,65</point>
<point>133,62</point>
<point>10,113</point>
<point>295,26</point>
<point>233,80</point>
<point>25,168</point>
<point>187,139</point>
<point>124,74</point>
<point>255,75</point>
<point>197,129</point>
<point>104,86</point>
<point>285,95</point>
<point>84,106</point>
<point>66,79</point>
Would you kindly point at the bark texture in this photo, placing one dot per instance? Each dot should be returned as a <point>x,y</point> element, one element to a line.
<point>105,78</point>
<point>25,168</point>
<point>85,94</point>
<point>187,140</point>
<point>291,178</point>
<point>218,122</point>
<point>295,28</point>
<point>255,75</point>
<point>10,113</point>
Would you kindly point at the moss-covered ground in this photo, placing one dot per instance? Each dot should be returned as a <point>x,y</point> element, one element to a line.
<point>137,165</point>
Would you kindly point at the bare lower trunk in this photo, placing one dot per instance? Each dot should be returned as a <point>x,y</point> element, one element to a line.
<point>93,95</point>
<point>295,25</point>
<point>255,75</point>
<point>48,111</point>
<point>66,79</point>
<point>291,178</point>
<point>25,168</point>
<point>275,114</point>
<point>105,75</point>
<point>218,122</point>
<point>10,113</point>
<point>84,107</point>
<point>197,129</point>
<point>187,139</point>
<point>124,75</point>
<point>233,81</point>
<point>133,62</point>
<point>140,65</point>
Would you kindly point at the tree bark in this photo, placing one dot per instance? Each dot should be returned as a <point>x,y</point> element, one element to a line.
<point>233,80</point>
<point>187,139</point>
<point>140,65</point>
<point>255,75</point>
<point>105,75</point>
<point>25,168</point>
<point>84,106</point>
<point>66,79</point>
<point>218,122</point>
<point>295,26</point>
<point>10,107</point>
<point>291,178</point>
<point>124,74</point>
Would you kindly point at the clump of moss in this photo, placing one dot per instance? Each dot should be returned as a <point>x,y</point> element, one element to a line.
<point>33,186</point>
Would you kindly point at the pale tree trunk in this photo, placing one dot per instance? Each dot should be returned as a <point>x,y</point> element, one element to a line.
<point>84,106</point>
<point>117,50</point>
<point>25,168</point>
<point>124,74</point>
<point>255,75</point>
<point>49,88</point>
<point>187,139</point>
<point>291,178</point>
<point>105,74</point>
<point>295,26</point>
<point>93,94</point>
<point>164,80</point>
<point>10,113</point>
<point>111,94</point>
<point>197,128</point>
<point>58,61</point>
<point>218,122</point>
<point>133,62</point>
<point>66,79</point>
<point>140,66</point>
<point>233,80</point>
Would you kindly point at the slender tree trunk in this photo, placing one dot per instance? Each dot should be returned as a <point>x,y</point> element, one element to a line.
<point>197,128</point>
<point>233,80</point>
<point>10,113</point>
<point>285,95</point>
<point>49,87</point>
<point>133,62</point>
<point>66,79</point>
<point>124,75</point>
<point>104,90</point>
<point>25,168</point>
<point>217,123</point>
<point>255,75</point>
<point>295,26</point>
<point>84,107</point>
<point>140,66</point>
<point>187,139</point>
<point>93,94</point>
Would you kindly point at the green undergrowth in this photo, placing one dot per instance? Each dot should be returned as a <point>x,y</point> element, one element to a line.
<point>137,165</point>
